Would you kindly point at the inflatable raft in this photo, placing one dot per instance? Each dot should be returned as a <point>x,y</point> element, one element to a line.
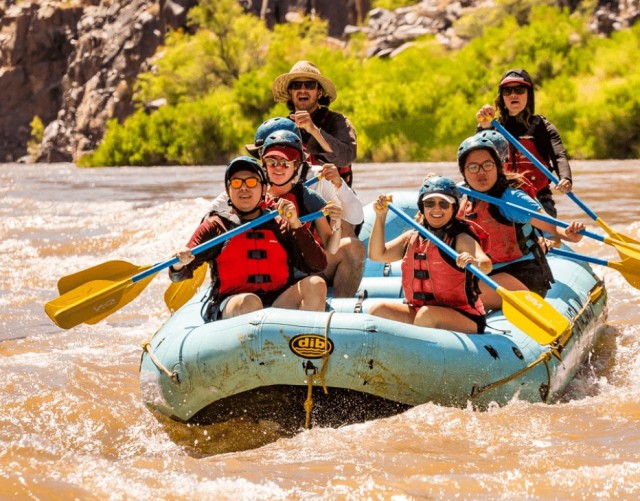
<point>344,365</point>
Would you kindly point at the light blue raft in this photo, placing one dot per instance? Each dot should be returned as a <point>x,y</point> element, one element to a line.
<point>344,365</point>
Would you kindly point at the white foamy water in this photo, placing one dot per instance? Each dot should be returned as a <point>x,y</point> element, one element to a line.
<point>73,426</point>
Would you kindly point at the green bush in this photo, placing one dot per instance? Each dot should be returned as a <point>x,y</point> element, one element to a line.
<point>417,106</point>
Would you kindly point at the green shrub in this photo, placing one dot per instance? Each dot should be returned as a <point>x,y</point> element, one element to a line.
<point>417,106</point>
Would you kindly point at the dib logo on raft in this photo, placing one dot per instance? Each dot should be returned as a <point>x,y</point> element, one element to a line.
<point>310,345</point>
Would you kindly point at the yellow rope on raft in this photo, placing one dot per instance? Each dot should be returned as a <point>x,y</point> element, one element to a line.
<point>172,375</point>
<point>308,403</point>
<point>543,358</point>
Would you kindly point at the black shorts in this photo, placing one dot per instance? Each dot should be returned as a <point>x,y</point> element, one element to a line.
<point>480,320</point>
<point>529,273</point>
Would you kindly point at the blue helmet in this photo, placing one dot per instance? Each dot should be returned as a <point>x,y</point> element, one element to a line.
<point>438,185</point>
<point>478,142</point>
<point>244,162</point>
<point>284,138</point>
<point>268,127</point>
<point>499,141</point>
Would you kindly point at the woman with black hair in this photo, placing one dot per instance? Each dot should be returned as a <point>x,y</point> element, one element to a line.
<point>519,261</point>
<point>439,292</point>
<point>516,105</point>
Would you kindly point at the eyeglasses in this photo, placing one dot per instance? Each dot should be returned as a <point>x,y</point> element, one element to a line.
<point>518,89</point>
<point>307,84</point>
<point>278,162</point>
<point>251,182</point>
<point>487,166</point>
<point>431,203</point>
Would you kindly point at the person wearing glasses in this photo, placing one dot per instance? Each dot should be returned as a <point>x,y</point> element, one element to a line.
<point>255,269</point>
<point>329,184</point>
<point>327,136</point>
<point>438,292</point>
<point>516,105</point>
<point>516,247</point>
<point>282,156</point>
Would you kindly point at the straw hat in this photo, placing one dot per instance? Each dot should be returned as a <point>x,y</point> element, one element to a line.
<point>302,69</point>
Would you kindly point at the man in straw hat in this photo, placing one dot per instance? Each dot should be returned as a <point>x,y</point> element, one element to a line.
<point>327,136</point>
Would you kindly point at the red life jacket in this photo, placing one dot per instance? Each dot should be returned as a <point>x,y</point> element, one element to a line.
<point>254,261</point>
<point>296,195</point>
<point>432,278</point>
<point>508,240</point>
<point>522,165</point>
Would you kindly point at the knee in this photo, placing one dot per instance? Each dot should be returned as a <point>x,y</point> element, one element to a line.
<point>355,251</point>
<point>423,317</point>
<point>314,285</point>
<point>250,302</point>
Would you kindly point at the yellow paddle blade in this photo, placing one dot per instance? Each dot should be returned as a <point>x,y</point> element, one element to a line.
<point>178,293</point>
<point>626,250</point>
<point>629,270</point>
<point>93,301</point>
<point>533,315</point>
<point>111,270</point>
<point>618,236</point>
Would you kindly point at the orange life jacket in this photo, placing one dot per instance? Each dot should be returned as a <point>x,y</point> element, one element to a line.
<point>296,195</point>
<point>430,277</point>
<point>522,165</point>
<point>508,240</point>
<point>254,261</point>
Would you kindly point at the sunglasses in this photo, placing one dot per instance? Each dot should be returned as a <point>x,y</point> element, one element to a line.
<point>431,203</point>
<point>487,166</point>
<point>518,89</point>
<point>307,84</point>
<point>278,162</point>
<point>251,182</point>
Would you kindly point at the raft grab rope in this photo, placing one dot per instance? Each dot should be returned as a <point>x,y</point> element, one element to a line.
<point>308,404</point>
<point>171,375</point>
<point>556,350</point>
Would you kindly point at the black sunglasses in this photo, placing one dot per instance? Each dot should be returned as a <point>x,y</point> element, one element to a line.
<point>518,89</point>
<point>431,203</point>
<point>307,84</point>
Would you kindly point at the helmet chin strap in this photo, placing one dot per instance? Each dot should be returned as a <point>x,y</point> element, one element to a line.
<point>290,180</point>
<point>443,229</point>
<point>242,213</point>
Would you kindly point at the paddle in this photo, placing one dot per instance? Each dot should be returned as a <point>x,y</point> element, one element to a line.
<point>312,181</point>
<point>111,270</point>
<point>555,180</point>
<point>178,293</point>
<point>630,273</point>
<point>91,301</point>
<point>524,309</point>
<point>626,250</point>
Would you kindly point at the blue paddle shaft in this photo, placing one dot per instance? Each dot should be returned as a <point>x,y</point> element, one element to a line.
<point>532,213</point>
<point>579,257</point>
<point>443,246</point>
<point>312,181</point>
<point>218,240</point>
<point>540,166</point>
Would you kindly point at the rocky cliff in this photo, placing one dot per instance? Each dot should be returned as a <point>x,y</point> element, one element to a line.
<point>72,63</point>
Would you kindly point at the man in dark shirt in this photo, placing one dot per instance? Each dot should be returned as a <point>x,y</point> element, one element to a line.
<point>328,136</point>
<point>255,269</point>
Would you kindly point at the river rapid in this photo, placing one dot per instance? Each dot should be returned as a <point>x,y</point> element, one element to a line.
<point>72,424</point>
